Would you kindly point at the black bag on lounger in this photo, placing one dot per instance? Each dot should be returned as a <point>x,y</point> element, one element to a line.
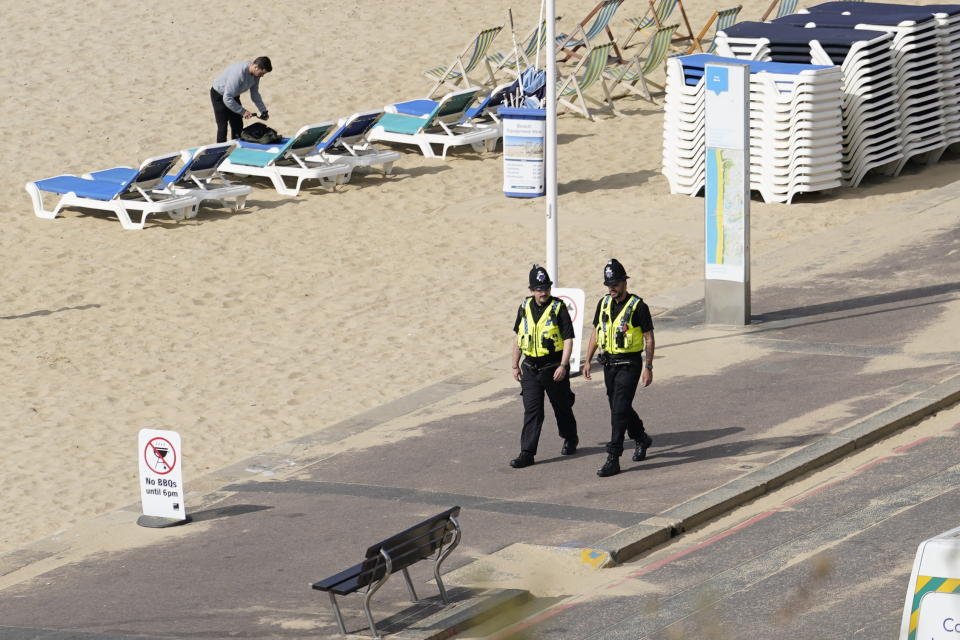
<point>260,133</point>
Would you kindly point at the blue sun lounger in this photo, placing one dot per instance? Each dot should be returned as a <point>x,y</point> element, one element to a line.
<point>485,110</point>
<point>349,144</point>
<point>133,194</point>
<point>288,159</point>
<point>442,122</point>
<point>198,176</point>
<point>791,43</point>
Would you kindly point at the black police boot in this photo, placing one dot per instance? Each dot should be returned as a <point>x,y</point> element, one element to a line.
<point>611,467</point>
<point>523,460</point>
<point>643,443</point>
<point>569,447</point>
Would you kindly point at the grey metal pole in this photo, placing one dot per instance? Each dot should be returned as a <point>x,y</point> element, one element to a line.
<point>550,149</point>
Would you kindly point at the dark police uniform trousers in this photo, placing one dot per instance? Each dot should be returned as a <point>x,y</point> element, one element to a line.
<point>535,380</point>
<point>621,379</point>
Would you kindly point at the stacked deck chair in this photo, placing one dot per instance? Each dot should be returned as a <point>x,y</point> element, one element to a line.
<point>796,124</point>
<point>684,162</point>
<point>871,118</point>
<point>948,19</point>
<point>198,176</point>
<point>795,127</point>
<point>135,194</point>
<point>915,52</point>
<point>349,144</point>
<point>288,159</point>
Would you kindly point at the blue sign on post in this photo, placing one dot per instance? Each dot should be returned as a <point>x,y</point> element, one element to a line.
<point>523,151</point>
<point>718,80</point>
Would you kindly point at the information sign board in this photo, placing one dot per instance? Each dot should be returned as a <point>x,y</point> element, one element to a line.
<point>161,481</point>
<point>727,194</point>
<point>523,151</point>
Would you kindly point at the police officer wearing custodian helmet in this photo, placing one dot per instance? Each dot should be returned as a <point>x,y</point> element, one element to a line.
<point>623,330</point>
<point>545,338</point>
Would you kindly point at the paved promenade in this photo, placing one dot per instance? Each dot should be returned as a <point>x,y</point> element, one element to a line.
<point>849,341</point>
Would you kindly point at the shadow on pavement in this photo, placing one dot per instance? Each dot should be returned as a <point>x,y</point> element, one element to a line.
<point>726,450</point>
<point>859,302</point>
<point>227,512</point>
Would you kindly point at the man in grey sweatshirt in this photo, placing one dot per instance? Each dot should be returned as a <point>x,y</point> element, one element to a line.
<point>225,95</point>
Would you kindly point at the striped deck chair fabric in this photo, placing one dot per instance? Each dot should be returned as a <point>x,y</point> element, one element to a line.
<point>633,75</point>
<point>725,19</point>
<point>601,22</point>
<point>458,71</point>
<point>655,16</point>
<point>720,20</point>
<point>574,87</point>
<point>534,42</point>
<point>784,8</point>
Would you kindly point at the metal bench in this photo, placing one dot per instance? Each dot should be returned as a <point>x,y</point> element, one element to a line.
<point>433,539</point>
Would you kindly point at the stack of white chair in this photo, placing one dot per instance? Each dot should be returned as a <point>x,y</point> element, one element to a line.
<point>795,127</point>
<point>684,159</point>
<point>948,19</point>
<point>872,137</point>
<point>915,49</point>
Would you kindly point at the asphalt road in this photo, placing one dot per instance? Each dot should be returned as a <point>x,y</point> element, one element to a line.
<point>828,556</point>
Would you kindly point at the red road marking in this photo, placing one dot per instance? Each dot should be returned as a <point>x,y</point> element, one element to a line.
<point>560,608</point>
<point>871,464</point>
<point>916,442</point>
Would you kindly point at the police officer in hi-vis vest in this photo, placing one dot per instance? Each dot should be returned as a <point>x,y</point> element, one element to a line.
<point>545,338</point>
<point>623,331</point>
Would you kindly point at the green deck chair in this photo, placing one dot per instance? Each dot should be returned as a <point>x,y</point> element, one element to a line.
<point>601,14</point>
<point>508,62</point>
<point>720,20</point>
<point>574,87</point>
<point>632,76</point>
<point>457,72</point>
<point>784,8</point>
<point>654,17</point>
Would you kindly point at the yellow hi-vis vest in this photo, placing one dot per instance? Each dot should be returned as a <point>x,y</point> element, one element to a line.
<point>541,338</point>
<point>618,335</point>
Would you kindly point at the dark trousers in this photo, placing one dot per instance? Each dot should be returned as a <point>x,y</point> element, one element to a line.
<point>621,381</point>
<point>534,383</point>
<point>223,115</point>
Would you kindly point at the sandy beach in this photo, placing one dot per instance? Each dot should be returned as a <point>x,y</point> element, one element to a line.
<point>244,330</point>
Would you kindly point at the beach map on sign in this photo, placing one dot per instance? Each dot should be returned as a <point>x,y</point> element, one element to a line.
<point>724,214</point>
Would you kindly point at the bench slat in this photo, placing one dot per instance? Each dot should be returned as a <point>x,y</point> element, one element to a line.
<point>405,549</point>
<point>426,534</point>
<point>347,581</point>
